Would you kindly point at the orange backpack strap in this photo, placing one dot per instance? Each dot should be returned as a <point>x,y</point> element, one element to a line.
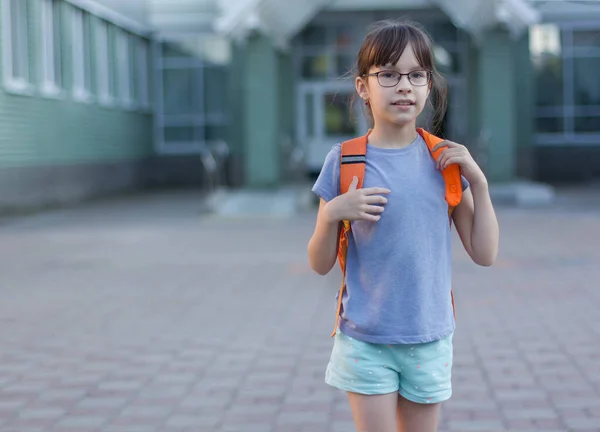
<point>353,158</point>
<point>451,174</point>
<point>352,162</point>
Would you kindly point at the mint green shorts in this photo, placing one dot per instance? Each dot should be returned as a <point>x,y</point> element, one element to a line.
<point>419,372</point>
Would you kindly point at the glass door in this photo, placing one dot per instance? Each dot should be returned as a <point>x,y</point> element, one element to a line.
<point>327,119</point>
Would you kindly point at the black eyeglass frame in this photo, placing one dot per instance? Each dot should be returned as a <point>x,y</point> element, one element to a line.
<point>400,75</point>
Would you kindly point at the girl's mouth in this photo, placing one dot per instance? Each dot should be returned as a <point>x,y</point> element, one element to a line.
<point>403,103</point>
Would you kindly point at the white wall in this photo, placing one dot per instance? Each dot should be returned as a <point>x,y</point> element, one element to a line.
<point>166,16</point>
<point>379,4</point>
<point>133,9</point>
<point>182,16</point>
<point>561,10</point>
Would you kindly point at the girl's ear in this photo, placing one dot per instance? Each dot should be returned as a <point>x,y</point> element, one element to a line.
<point>361,88</point>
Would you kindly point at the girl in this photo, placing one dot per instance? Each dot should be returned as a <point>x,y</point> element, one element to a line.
<point>392,350</point>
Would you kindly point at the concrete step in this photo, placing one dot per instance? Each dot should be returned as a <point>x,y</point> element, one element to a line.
<point>289,200</point>
<point>285,201</point>
<point>522,194</point>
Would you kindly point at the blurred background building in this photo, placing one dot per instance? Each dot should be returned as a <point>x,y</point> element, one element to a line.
<point>101,96</point>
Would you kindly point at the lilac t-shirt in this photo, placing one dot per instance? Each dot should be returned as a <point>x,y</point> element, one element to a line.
<point>398,269</point>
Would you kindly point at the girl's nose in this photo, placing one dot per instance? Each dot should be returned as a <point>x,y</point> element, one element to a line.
<point>404,88</point>
<point>404,85</point>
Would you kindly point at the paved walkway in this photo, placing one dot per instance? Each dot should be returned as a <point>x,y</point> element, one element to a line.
<point>148,316</point>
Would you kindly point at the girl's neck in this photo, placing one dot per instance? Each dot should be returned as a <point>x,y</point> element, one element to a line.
<point>393,136</point>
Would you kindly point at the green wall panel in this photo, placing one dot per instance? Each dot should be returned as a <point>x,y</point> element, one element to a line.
<point>497,103</point>
<point>40,130</point>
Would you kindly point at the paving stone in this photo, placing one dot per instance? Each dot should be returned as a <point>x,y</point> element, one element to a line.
<point>167,321</point>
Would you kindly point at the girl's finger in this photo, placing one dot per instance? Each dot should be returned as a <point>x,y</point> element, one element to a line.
<point>370,217</point>
<point>448,144</point>
<point>451,160</point>
<point>373,209</point>
<point>375,199</point>
<point>444,154</point>
<point>375,190</point>
<point>448,154</point>
<point>442,159</point>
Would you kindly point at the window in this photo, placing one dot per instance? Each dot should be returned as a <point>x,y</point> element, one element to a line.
<point>122,65</point>
<point>586,83</point>
<point>82,53</point>
<point>51,47</point>
<point>123,49</point>
<point>327,49</point>
<point>586,39</point>
<point>142,80</point>
<point>565,62</point>
<point>336,118</point>
<point>102,63</point>
<point>15,46</point>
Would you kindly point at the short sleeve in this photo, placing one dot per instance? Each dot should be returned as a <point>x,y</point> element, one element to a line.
<point>327,185</point>
<point>465,183</point>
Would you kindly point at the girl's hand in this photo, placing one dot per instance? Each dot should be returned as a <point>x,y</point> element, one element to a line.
<point>459,154</point>
<point>357,204</point>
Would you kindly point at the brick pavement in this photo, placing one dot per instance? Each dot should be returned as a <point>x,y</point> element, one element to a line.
<point>146,316</point>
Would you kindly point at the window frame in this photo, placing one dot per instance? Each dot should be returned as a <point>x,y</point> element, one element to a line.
<point>81,55</point>
<point>51,49</point>
<point>143,62</point>
<point>16,84</point>
<point>102,62</point>
<point>568,112</point>
<point>123,53</point>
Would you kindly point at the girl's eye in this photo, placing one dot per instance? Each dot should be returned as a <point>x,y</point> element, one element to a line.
<point>417,75</point>
<point>388,74</point>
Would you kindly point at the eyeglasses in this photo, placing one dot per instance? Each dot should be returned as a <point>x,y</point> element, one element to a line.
<point>389,78</point>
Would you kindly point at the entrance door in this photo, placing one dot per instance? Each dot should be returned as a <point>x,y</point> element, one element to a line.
<point>180,101</point>
<point>326,119</point>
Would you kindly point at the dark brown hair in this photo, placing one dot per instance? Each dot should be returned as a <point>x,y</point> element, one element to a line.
<point>385,43</point>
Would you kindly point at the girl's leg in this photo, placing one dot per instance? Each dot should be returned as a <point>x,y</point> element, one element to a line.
<point>374,413</point>
<point>415,417</point>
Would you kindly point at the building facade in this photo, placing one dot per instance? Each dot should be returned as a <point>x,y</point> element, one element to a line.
<point>565,53</point>
<point>76,102</point>
<point>523,91</point>
<point>104,95</point>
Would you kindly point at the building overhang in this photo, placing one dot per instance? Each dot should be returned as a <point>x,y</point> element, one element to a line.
<point>565,10</point>
<point>278,19</point>
<point>478,16</point>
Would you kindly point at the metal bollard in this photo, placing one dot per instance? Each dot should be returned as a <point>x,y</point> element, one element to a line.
<point>210,168</point>
<point>220,150</point>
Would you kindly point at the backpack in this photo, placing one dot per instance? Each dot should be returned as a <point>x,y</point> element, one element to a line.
<point>352,163</point>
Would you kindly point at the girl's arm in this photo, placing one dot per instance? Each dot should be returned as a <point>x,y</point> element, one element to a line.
<point>474,217</point>
<point>477,225</point>
<point>323,245</point>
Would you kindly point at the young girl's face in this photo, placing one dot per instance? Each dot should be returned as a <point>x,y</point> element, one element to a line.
<point>397,103</point>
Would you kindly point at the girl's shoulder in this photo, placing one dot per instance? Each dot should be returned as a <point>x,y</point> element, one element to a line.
<point>333,156</point>
<point>327,184</point>
<point>335,150</point>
